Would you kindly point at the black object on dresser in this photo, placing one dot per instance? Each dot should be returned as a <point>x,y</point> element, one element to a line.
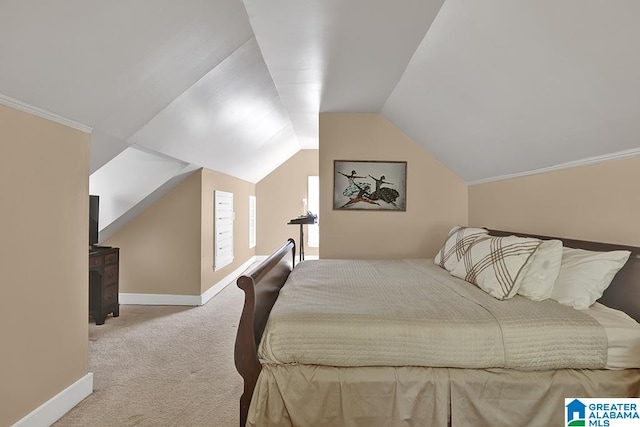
<point>103,283</point>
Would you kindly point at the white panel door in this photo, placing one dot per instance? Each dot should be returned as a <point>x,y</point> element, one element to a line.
<point>223,229</point>
<point>252,221</point>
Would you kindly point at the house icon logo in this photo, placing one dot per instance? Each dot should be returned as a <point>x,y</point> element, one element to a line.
<point>576,413</point>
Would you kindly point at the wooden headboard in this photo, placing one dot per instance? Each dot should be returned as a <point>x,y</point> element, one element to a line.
<point>624,292</point>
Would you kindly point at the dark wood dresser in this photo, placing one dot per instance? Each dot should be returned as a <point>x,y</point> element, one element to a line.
<point>103,283</point>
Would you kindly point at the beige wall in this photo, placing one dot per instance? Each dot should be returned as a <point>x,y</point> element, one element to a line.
<point>436,197</point>
<point>160,248</point>
<point>168,249</point>
<point>593,202</point>
<point>241,190</point>
<point>279,199</point>
<point>44,169</point>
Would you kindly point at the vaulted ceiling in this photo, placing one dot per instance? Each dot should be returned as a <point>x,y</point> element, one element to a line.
<point>491,88</point>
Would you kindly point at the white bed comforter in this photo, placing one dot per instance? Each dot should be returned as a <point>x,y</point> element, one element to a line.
<point>412,313</point>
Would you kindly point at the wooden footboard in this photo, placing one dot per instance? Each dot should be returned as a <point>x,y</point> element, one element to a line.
<point>261,286</point>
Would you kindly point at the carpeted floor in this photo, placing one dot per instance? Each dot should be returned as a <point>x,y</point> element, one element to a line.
<point>164,366</point>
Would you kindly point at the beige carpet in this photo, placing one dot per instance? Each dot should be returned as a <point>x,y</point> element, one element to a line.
<point>164,366</point>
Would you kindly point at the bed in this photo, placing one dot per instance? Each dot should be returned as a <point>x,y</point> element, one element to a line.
<point>323,358</point>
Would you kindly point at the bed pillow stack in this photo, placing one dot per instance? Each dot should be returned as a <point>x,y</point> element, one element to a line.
<point>533,268</point>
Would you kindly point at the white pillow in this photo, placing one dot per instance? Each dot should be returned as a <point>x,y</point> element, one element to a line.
<point>584,276</point>
<point>456,244</point>
<point>543,271</point>
<point>497,264</point>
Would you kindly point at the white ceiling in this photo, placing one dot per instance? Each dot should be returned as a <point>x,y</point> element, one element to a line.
<point>491,88</point>
<point>336,55</point>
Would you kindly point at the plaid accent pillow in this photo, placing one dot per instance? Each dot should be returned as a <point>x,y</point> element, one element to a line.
<point>456,244</point>
<point>497,265</point>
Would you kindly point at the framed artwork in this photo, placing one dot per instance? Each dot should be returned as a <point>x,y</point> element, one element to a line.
<point>369,185</point>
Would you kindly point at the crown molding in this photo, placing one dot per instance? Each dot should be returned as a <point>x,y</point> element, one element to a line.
<point>28,108</point>
<point>588,161</point>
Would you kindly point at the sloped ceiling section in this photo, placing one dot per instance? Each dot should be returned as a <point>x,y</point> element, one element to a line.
<point>113,65</point>
<point>223,120</point>
<point>499,88</point>
<point>113,181</point>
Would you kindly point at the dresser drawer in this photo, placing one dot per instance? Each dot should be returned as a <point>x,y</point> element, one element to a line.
<point>110,274</point>
<point>111,258</point>
<point>110,295</point>
<point>103,283</point>
<point>95,261</point>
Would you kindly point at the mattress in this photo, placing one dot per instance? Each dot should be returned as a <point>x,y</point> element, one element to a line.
<point>623,336</point>
<point>413,313</point>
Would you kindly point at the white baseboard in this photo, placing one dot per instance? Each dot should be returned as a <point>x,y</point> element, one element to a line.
<point>53,409</point>
<point>158,299</point>
<point>192,300</point>
<point>212,291</point>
